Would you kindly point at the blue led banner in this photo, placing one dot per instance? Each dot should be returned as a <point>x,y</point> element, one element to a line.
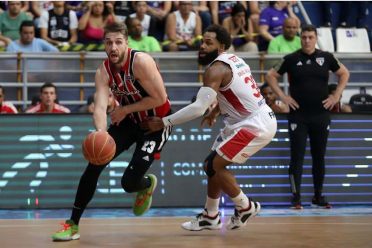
<point>41,163</point>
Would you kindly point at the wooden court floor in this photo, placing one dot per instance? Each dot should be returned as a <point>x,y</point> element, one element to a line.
<point>149,232</point>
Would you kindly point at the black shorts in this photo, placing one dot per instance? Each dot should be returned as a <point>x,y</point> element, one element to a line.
<point>148,146</point>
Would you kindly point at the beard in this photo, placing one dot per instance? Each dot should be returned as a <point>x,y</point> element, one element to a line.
<point>208,57</point>
<point>120,59</point>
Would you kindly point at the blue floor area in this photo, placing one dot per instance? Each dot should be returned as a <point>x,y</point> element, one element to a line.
<point>108,213</point>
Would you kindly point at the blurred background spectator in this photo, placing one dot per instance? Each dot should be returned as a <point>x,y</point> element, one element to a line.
<point>137,40</point>
<point>89,107</point>
<point>159,10</point>
<point>10,22</point>
<point>287,42</point>
<point>240,27</point>
<point>272,20</point>
<point>27,41</point>
<point>122,9</point>
<point>47,104</point>
<point>59,25</point>
<point>6,107</point>
<point>361,102</point>
<point>272,100</point>
<point>145,19</point>
<point>92,23</point>
<point>183,28</point>
<point>339,107</point>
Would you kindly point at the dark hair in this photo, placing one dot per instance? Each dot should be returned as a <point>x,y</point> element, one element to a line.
<point>222,35</point>
<point>26,24</point>
<point>116,27</point>
<point>129,20</point>
<point>264,86</point>
<point>309,28</point>
<point>1,88</point>
<point>238,8</point>
<point>47,85</point>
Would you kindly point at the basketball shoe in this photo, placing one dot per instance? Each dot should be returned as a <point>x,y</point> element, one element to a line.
<point>203,221</point>
<point>296,202</point>
<point>320,202</point>
<point>70,231</point>
<point>144,197</point>
<point>240,217</point>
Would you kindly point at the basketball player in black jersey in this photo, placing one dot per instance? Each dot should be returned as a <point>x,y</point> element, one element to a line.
<point>137,85</point>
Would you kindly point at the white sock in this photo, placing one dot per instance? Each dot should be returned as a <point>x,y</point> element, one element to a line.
<point>212,206</point>
<point>241,201</point>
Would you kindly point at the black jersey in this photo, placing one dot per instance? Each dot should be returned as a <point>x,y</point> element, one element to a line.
<point>59,26</point>
<point>308,78</point>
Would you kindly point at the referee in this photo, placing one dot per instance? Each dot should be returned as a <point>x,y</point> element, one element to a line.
<point>309,102</point>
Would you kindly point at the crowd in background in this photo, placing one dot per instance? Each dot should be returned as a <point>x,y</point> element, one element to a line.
<point>153,26</point>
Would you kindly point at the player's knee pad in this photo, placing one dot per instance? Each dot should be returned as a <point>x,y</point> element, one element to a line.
<point>208,164</point>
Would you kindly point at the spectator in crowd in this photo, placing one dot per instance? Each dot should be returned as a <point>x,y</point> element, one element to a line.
<point>6,107</point>
<point>271,99</point>
<point>287,42</point>
<point>361,102</point>
<point>309,102</point>
<point>59,25</point>
<point>89,107</point>
<point>222,9</point>
<point>28,42</point>
<point>159,10</point>
<point>77,6</point>
<point>240,27</point>
<point>123,9</point>
<point>145,19</point>
<point>10,21</point>
<point>183,27</point>
<point>201,8</point>
<point>92,23</point>
<point>47,104</point>
<point>138,41</point>
<point>338,107</point>
<point>272,20</point>
<point>37,8</point>
<point>344,19</point>
<point>34,101</point>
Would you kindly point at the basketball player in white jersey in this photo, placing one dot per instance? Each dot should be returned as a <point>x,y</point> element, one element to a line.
<point>249,126</point>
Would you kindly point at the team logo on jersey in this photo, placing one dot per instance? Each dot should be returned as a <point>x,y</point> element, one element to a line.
<point>293,126</point>
<point>299,63</point>
<point>308,62</point>
<point>320,61</point>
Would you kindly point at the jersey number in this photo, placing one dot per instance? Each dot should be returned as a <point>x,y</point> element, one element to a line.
<point>250,80</point>
<point>148,146</point>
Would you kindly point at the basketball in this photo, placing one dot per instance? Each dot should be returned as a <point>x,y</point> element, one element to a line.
<point>99,147</point>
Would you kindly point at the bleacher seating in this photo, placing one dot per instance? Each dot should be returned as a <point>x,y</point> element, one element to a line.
<point>325,39</point>
<point>353,40</point>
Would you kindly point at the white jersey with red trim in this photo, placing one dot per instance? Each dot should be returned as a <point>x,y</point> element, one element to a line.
<point>241,97</point>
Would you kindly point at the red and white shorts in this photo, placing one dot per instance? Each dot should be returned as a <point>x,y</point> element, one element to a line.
<point>238,142</point>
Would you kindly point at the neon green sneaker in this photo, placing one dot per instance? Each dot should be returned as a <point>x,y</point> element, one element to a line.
<point>70,231</point>
<point>144,197</point>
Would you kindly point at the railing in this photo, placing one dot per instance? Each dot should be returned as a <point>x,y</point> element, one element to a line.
<point>73,74</point>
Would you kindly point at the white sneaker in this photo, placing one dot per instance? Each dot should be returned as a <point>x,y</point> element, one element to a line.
<point>203,221</point>
<point>240,217</point>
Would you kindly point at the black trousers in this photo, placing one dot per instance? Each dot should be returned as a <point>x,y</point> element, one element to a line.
<point>316,127</point>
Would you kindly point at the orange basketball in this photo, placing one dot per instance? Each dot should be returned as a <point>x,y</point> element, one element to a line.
<point>99,147</point>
